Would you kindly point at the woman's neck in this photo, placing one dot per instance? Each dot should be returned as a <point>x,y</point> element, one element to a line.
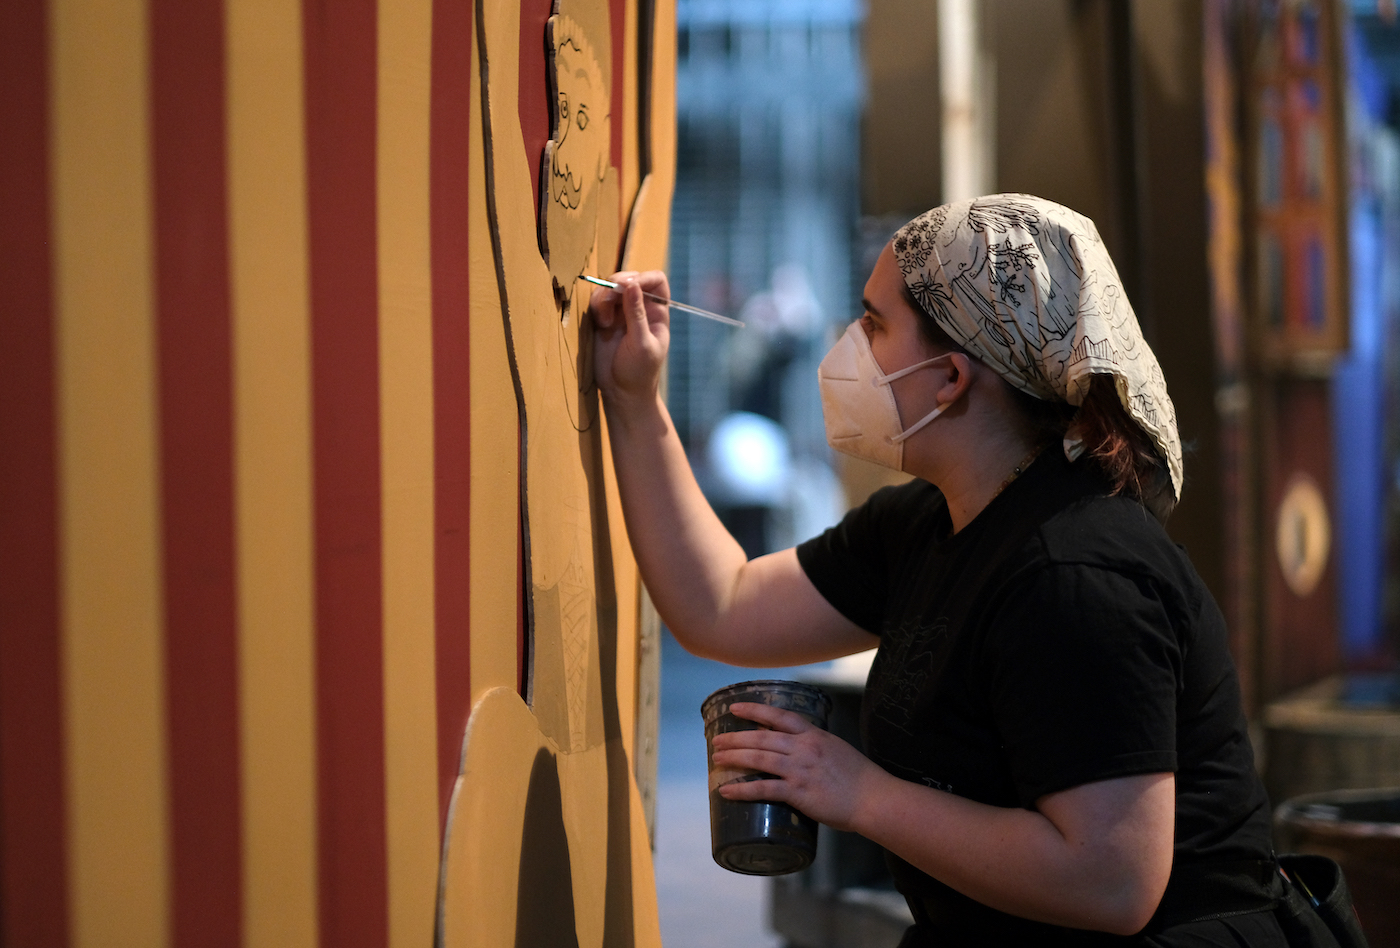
<point>972,476</point>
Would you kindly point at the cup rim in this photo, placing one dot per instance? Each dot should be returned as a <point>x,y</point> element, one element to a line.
<point>759,683</point>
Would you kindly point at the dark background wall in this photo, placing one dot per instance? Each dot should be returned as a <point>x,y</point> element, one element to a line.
<point>1099,107</point>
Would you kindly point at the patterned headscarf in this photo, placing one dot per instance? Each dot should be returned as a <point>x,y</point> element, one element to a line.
<point>1027,286</point>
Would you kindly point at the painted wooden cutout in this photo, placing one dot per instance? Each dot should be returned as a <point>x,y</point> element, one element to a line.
<point>575,164</point>
<point>546,789</point>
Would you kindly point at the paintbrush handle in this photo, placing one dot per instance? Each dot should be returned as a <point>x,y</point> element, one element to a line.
<point>727,320</point>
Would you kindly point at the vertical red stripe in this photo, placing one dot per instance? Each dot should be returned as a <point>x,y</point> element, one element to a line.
<point>33,878</point>
<point>449,153</point>
<point>341,82</point>
<point>196,444</point>
<point>532,99</point>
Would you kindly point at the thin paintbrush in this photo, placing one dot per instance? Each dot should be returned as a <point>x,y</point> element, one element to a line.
<point>671,303</point>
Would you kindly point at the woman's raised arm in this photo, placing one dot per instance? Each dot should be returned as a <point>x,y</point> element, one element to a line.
<point>716,602</point>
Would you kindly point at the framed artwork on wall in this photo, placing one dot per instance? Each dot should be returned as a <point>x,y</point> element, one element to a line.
<point>1295,124</point>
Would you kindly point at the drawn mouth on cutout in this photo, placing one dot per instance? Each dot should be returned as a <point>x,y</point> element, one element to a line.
<point>568,191</point>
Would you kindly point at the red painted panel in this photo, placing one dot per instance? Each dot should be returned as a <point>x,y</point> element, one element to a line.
<point>33,877</point>
<point>449,155</point>
<point>533,95</point>
<point>341,76</point>
<point>196,452</point>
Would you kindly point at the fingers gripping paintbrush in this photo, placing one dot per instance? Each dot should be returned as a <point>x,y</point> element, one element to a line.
<point>727,320</point>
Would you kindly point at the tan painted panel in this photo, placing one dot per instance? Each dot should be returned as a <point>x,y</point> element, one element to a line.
<point>406,446</point>
<point>647,235</point>
<point>645,243</point>
<point>583,787</point>
<point>624,583</point>
<point>113,654</point>
<point>272,445</point>
<point>487,826</point>
<point>523,817</point>
<point>629,172</point>
<point>646,918</point>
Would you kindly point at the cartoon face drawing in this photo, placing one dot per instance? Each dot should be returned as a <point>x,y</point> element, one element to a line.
<point>579,157</point>
<point>576,157</point>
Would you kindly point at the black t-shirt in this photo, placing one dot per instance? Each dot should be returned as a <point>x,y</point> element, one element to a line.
<point>1058,639</point>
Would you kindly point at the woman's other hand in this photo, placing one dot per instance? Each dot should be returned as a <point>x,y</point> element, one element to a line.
<point>633,334</point>
<point>818,773</point>
<point>1096,856</point>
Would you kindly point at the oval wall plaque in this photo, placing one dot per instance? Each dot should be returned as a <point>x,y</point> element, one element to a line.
<point>1303,535</point>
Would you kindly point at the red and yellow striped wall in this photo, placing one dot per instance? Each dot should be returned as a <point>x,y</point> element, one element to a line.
<point>279,482</point>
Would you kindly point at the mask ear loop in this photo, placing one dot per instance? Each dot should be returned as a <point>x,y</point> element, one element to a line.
<point>907,370</point>
<point>917,426</point>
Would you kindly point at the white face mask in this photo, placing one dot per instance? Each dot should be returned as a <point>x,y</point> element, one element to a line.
<point>862,419</point>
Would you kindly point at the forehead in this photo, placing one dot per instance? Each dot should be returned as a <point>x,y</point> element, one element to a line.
<point>884,291</point>
<point>886,283</point>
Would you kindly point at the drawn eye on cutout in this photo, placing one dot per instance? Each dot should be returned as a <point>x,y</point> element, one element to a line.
<point>582,117</point>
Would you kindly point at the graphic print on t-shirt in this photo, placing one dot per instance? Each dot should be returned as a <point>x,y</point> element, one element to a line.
<point>911,657</point>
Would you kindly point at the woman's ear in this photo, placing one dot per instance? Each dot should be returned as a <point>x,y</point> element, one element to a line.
<point>960,372</point>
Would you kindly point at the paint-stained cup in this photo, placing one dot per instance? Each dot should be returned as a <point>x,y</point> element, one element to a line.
<point>761,837</point>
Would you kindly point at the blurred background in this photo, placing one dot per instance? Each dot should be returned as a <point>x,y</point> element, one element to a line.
<point>1241,160</point>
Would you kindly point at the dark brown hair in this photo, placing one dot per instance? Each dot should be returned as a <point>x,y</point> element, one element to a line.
<point>1125,453</point>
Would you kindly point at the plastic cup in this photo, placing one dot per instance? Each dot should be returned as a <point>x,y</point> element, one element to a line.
<point>759,837</point>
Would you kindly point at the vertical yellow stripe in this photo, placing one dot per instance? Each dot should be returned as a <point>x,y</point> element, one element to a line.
<point>495,448</point>
<point>110,518</point>
<point>272,404</point>
<point>406,451</point>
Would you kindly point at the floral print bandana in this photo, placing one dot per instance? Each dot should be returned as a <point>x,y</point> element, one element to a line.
<point>1027,286</point>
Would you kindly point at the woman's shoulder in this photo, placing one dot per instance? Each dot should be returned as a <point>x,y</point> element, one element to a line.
<point>1118,534</point>
<point>901,506</point>
<point>914,491</point>
<point>884,527</point>
<point>1101,527</point>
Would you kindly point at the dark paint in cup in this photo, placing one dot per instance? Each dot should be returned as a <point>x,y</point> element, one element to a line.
<point>759,837</point>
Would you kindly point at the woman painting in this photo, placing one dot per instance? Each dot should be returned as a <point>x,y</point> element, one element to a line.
<point>1056,749</point>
